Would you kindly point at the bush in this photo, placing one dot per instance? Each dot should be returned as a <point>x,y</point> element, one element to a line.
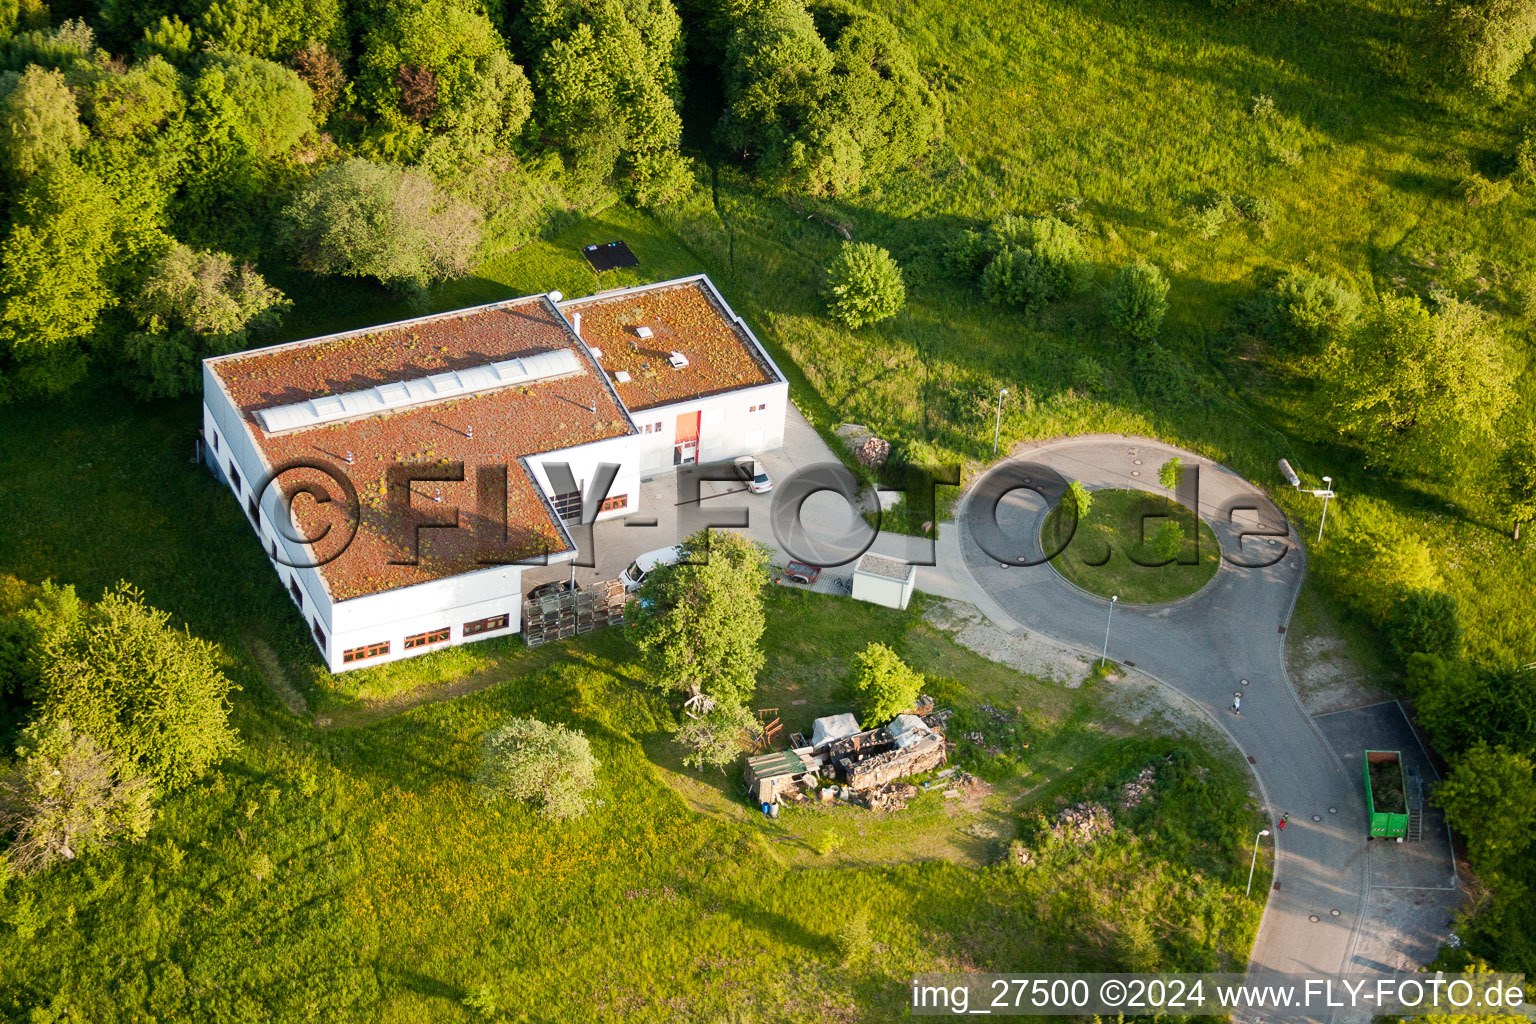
<point>864,285</point>
<point>1160,375</point>
<point>1480,191</point>
<point>1030,261</point>
<point>1313,310</point>
<point>67,795</point>
<point>550,766</point>
<point>1138,300</point>
<point>1525,155</point>
<point>151,693</point>
<point>1078,499</point>
<point>886,687</point>
<point>363,219</point>
<point>1423,622</point>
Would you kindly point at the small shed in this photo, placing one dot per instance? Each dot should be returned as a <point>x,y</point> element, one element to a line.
<point>768,775</point>
<point>881,580</point>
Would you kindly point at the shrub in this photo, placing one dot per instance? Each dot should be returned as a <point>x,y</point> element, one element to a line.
<point>864,285</point>
<point>67,795</point>
<point>550,766</point>
<point>151,693</point>
<point>1077,499</point>
<point>363,219</point>
<point>1313,310</point>
<point>1525,155</point>
<point>1480,191</point>
<point>1160,375</point>
<point>1138,300</point>
<point>1209,214</point>
<point>885,685</point>
<point>1423,622</point>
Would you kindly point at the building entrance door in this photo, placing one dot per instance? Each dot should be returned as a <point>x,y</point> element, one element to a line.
<point>686,449</point>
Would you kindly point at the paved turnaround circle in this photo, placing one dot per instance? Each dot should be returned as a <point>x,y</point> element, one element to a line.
<point>1207,646</point>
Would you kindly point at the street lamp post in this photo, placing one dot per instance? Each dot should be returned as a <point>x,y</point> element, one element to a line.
<point>1254,860</point>
<point>1103,657</point>
<point>997,428</point>
<point>1327,493</point>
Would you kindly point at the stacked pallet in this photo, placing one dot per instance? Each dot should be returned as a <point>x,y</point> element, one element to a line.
<point>558,616</point>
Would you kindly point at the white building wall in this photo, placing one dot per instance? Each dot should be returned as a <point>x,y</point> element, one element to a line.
<point>391,616</point>
<point>584,460</point>
<point>234,447</point>
<point>727,428</point>
<point>883,590</point>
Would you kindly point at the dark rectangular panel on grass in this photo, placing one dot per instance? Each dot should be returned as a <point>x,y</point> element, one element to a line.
<point>610,256</point>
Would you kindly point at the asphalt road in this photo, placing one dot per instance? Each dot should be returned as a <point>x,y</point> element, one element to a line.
<point>1204,646</point>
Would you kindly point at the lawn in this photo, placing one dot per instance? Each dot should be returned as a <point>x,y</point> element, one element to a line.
<point>357,872</point>
<point>1109,551</point>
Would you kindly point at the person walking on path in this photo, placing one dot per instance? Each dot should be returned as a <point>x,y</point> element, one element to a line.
<point>1283,819</point>
<point>1237,703</point>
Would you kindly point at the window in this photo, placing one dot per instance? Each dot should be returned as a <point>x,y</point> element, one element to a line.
<point>293,588</point>
<point>234,477</point>
<point>250,504</point>
<point>568,505</point>
<point>615,503</point>
<point>215,435</point>
<point>656,428</point>
<point>436,636</point>
<point>366,651</point>
<point>485,625</point>
<point>319,634</point>
<point>757,408</point>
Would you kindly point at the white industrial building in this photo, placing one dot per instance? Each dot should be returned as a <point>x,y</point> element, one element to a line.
<point>528,397</point>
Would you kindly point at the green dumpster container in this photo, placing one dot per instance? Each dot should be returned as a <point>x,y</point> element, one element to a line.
<point>1386,794</point>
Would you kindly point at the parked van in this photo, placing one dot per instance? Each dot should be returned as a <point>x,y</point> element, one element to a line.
<point>635,574</point>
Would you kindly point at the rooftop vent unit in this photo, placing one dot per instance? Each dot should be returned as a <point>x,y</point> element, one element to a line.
<point>399,394</point>
<point>597,353</point>
<point>622,377</point>
<point>643,333</point>
<point>678,360</point>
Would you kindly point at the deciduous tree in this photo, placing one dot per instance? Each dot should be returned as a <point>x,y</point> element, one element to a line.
<point>550,766</point>
<point>864,285</point>
<point>1490,797</point>
<point>1415,386</point>
<point>194,304</point>
<point>699,624</point>
<point>66,795</point>
<point>1517,483</point>
<point>39,123</point>
<point>885,685</point>
<point>363,219</point>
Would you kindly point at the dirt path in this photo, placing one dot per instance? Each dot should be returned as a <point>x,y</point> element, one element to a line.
<point>277,680</point>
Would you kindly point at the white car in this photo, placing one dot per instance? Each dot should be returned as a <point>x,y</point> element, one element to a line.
<point>753,475</point>
<point>635,574</point>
